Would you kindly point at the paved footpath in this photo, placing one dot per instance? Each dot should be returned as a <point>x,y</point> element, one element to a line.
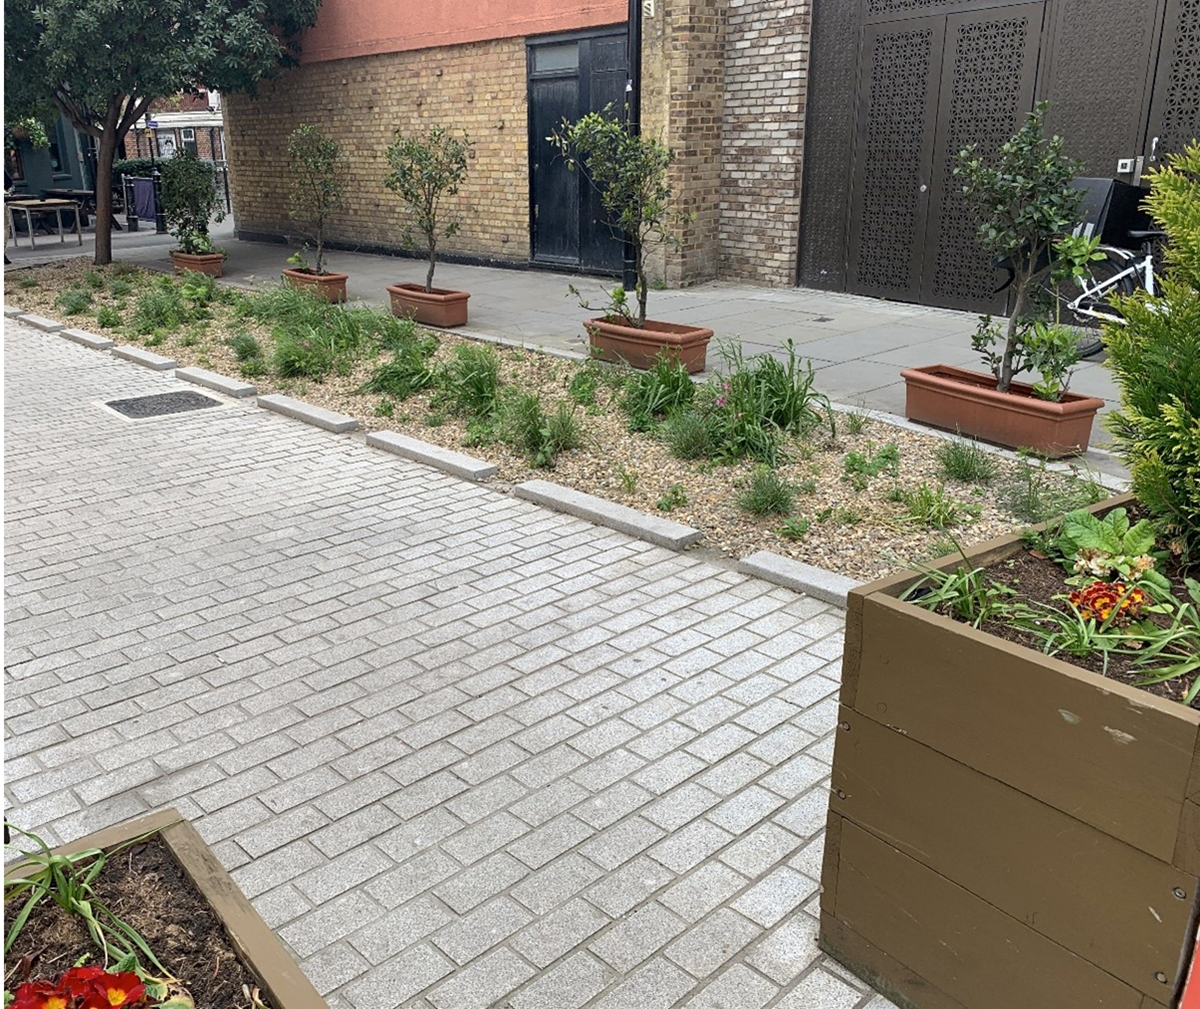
<point>459,751</point>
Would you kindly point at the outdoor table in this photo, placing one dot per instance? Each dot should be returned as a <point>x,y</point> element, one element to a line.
<point>87,202</point>
<point>30,207</point>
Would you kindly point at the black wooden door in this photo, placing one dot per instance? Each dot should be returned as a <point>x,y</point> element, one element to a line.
<point>1175,112</point>
<point>569,77</point>
<point>929,87</point>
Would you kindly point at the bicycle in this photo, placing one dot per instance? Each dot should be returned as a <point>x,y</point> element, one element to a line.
<point>1087,298</point>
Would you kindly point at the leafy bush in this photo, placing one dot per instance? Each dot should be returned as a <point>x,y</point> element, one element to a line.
<point>318,189</point>
<point>399,378</point>
<point>108,317</point>
<point>687,435</point>
<point>768,494</point>
<point>244,346</point>
<point>525,425</point>
<point>160,306</point>
<point>858,468</point>
<point>119,288</point>
<point>470,381</point>
<point>300,354</point>
<point>1155,359</point>
<point>198,288</point>
<point>74,300</point>
<point>966,462</point>
<point>1034,494</point>
<point>929,507</point>
<point>794,528</point>
<point>656,392</point>
<point>675,497</point>
<point>93,280</point>
<point>189,200</point>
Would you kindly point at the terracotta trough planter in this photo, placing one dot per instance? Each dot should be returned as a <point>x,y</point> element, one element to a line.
<point>280,978</point>
<point>438,307</point>
<point>640,348</point>
<point>209,263</point>
<point>330,286</point>
<point>1005,829</point>
<point>967,401</point>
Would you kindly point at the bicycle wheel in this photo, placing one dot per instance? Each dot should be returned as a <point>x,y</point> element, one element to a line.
<point>1085,301</point>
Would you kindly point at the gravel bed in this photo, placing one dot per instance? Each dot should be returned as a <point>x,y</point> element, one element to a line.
<point>859,533</point>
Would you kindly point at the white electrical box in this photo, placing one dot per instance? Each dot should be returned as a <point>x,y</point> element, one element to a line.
<point>1125,166</point>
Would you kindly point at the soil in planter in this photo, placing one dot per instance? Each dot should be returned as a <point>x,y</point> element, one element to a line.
<point>146,888</point>
<point>1038,580</point>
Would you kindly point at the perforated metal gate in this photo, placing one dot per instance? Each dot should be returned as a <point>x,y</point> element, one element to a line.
<point>882,211</point>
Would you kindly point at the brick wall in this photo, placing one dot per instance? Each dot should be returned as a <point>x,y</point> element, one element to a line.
<point>208,144</point>
<point>766,82</point>
<point>360,102</point>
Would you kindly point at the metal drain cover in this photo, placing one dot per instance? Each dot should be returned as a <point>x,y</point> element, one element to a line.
<point>161,404</point>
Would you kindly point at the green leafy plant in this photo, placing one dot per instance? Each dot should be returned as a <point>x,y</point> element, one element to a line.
<point>74,301</point>
<point>1174,652</point>
<point>1155,359</point>
<point>108,317</point>
<point>687,435</point>
<point>928,506</point>
<point>160,306</point>
<point>858,468</point>
<point>119,288</point>
<point>767,494</point>
<point>675,497</point>
<point>526,425</point>
<point>190,201</point>
<point>1025,199</point>
<point>426,169</point>
<point>629,479</point>
<point>583,386</point>
<point>318,189</point>
<point>630,172</point>
<point>965,461</point>
<point>1108,548</point>
<point>657,392</point>
<point>399,378</point>
<point>470,380</point>
<point>857,421</point>
<point>967,594</point>
<point>93,280</point>
<point>795,528</point>
<point>244,346</point>
<point>385,408</point>
<point>1035,494</point>
<point>27,283</point>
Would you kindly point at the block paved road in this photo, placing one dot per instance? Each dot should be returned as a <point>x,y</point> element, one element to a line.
<point>458,750</point>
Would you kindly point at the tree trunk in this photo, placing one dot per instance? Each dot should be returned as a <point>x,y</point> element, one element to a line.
<point>1011,336</point>
<point>432,264</point>
<point>103,183</point>
<point>642,287</point>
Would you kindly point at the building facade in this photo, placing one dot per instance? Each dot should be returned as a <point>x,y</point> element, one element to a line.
<point>815,138</point>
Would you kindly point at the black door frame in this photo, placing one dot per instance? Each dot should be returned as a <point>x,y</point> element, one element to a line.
<point>584,99</point>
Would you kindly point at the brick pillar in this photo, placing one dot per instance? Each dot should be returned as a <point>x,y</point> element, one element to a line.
<point>682,83</point>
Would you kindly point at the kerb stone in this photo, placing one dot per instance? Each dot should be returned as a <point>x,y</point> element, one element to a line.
<point>448,461</point>
<point>800,577</point>
<point>218,383</point>
<point>155,362</point>
<point>86,339</point>
<point>297,409</point>
<point>663,532</point>
<point>42,323</point>
<point>12,312</point>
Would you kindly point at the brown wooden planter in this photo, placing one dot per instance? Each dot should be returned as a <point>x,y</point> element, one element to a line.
<point>330,286</point>
<point>209,263</point>
<point>280,978</point>
<point>1005,829</point>
<point>438,307</point>
<point>967,401</point>
<point>641,347</point>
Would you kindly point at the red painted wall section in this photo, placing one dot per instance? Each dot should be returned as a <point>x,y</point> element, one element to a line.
<point>366,27</point>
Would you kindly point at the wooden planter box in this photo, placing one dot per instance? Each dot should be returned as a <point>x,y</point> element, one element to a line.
<point>438,307</point>
<point>330,286</point>
<point>641,347</point>
<point>280,978</point>
<point>967,401</point>
<point>1005,830</point>
<point>210,263</point>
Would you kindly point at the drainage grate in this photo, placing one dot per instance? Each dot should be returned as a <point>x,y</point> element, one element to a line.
<point>161,404</point>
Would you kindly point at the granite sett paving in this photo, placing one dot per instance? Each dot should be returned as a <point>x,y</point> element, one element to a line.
<point>457,749</point>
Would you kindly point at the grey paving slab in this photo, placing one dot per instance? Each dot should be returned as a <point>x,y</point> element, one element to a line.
<point>86,339</point>
<point>146,358</point>
<point>364,674</point>
<point>218,383</point>
<point>317,416</point>
<point>644,526</point>
<point>446,460</point>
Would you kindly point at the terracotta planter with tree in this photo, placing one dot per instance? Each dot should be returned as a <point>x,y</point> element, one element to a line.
<point>426,170</point>
<point>630,171</point>
<point>1026,203</point>
<point>318,193</point>
<point>190,201</point>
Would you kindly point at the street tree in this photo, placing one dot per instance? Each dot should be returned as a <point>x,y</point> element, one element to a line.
<point>102,62</point>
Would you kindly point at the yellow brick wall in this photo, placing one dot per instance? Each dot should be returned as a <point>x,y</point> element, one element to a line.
<point>361,102</point>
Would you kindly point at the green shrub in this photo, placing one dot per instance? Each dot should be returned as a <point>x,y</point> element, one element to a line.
<point>1155,359</point>
<point>858,468</point>
<point>108,317</point>
<point>965,461</point>
<point>470,381</point>
<point>74,300</point>
<point>656,392</point>
<point>934,509</point>
<point>686,434</point>
<point>122,269</point>
<point>244,346</point>
<point>409,372</point>
<point>583,385</point>
<point>303,355</point>
<point>159,307</point>
<point>794,528</point>
<point>198,288</point>
<point>768,494</point>
<point>27,283</point>
<point>1034,494</point>
<point>93,280</point>
<point>526,426</point>
<point>252,367</point>
<point>675,497</point>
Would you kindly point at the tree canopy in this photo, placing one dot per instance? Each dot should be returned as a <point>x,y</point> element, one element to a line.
<point>101,62</point>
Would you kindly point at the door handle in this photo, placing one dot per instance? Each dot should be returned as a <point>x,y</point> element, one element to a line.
<point>1153,150</point>
<point>924,188</point>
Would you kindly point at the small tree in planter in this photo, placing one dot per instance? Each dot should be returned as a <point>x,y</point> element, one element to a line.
<point>630,172</point>
<point>189,202</point>
<point>425,170</point>
<point>318,192</point>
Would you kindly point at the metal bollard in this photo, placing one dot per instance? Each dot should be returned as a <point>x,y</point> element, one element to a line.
<point>131,221</point>
<point>160,220</point>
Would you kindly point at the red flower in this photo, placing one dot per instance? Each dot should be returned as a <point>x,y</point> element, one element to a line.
<point>112,991</point>
<point>40,995</point>
<point>79,981</point>
<point>1099,600</point>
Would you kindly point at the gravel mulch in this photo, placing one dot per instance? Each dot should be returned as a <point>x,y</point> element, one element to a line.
<point>855,532</point>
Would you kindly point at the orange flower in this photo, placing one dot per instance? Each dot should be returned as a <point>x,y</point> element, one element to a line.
<point>1099,600</point>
